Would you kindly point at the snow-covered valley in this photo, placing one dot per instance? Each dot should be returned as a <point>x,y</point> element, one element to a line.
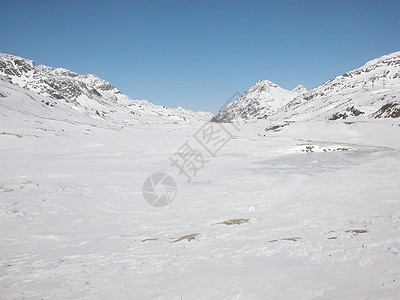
<point>273,215</point>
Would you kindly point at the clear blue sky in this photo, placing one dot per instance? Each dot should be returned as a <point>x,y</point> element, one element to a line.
<point>196,54</point>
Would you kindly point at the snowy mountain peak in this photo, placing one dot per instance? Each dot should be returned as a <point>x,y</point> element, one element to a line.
<point>264,84</point>
<point>262,99</point>
<point>299,89</point>
<point>58,83</point>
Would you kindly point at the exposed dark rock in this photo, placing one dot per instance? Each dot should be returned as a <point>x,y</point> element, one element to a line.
<point>390,110</point>
<point>354,111</point>
<point>337,116</point>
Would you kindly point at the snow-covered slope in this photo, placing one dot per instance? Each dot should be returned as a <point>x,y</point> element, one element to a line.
<point>88,94</point>
<point>26,113</point>
<point>371,91</point>
<point>261,100</point>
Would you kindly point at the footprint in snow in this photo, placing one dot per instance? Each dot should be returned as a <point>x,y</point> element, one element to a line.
<point>188,237</point>
<point>234,222</point>
<point>151,239</point>
<point>356,231</point>
<point>292,239</point>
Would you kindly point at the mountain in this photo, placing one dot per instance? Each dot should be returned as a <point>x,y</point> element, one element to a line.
<point>371,91</point>
<point>261,100</point>
<point>88,93</point>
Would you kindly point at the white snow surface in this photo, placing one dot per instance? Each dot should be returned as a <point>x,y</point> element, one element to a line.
<point>314,224</point>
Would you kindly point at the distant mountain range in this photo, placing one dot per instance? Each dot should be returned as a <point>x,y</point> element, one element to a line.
<point>371,91</point>
<point>87,94</point>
